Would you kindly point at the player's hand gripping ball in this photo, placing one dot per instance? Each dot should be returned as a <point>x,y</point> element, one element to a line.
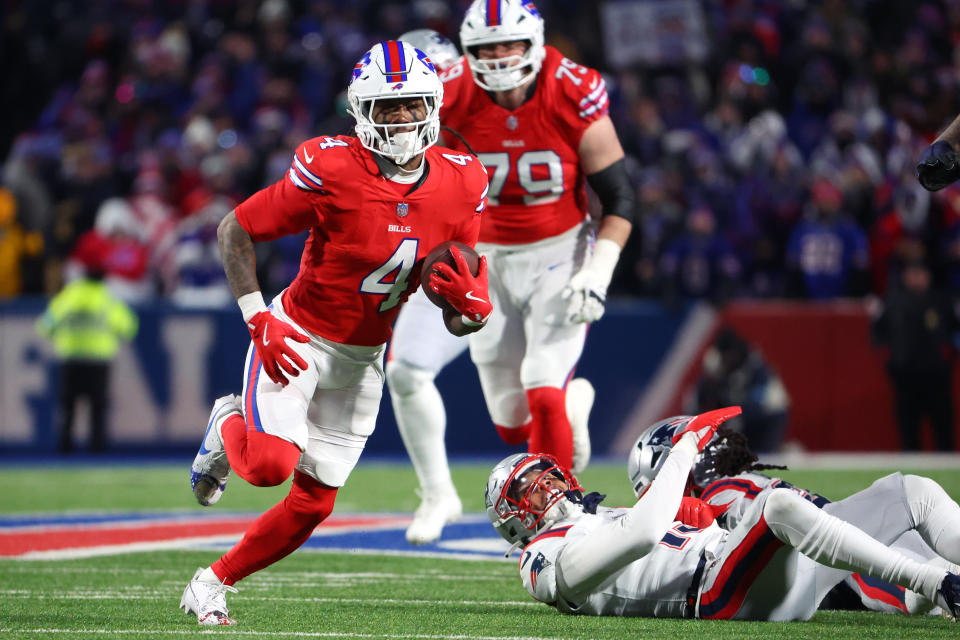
<point>454,277</point>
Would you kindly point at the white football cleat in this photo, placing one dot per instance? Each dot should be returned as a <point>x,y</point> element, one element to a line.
<point>579,402</point>
<point>436,510</point>
<point>210,469</point>
<point>208,600</point>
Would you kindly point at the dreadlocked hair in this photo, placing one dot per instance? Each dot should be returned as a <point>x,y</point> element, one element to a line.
<point>731,455</point>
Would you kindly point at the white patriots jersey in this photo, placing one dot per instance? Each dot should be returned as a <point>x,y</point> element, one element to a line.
<point>738,493</point>
<point>654,585</point>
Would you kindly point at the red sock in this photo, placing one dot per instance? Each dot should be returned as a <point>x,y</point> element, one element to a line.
<point>259,458</point>
<point>551,432</point>
<point>514,435</point>
<point>280,531</point>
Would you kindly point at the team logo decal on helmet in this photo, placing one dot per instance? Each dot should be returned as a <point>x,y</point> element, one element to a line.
<point>492,21</point>
<point>652,447</point>
<point>391,70</point>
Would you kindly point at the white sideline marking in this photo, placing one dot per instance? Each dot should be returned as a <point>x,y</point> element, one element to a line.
<point>281,634</point>
<point>152,595</point>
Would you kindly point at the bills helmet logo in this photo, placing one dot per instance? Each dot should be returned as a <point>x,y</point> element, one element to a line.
<point>359,67</point>
<point>531,9</point>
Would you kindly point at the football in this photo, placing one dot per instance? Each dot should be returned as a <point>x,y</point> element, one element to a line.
<point>441,253</point>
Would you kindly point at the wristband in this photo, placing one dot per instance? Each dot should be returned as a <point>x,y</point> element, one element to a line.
<point>251,304</point>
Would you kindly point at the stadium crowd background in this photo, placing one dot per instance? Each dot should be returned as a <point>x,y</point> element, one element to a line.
<point>776,162</point>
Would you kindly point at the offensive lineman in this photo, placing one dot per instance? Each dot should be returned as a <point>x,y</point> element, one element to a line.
<point>639,561</point>
<point>374,205</point>
<point>539,123</point>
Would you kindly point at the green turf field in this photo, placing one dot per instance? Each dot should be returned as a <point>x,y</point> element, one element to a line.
<point>321,595</point>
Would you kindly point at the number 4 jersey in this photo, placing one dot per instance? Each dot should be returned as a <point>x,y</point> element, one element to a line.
<point>366,232</point>
<point>536,183</point>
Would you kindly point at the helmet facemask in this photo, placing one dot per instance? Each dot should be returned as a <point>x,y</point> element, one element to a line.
<point>503,74</point>
<point>385,139</point>
<point>532,494</point>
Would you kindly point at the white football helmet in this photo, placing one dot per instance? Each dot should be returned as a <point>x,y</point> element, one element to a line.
<point>492,21</point>
<point>510,488</point>
<point>441,50</point>
<point>651,448</point>
<point>394,69</point>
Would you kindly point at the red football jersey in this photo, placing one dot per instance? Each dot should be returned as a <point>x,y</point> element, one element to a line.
<point>358,265</point>
<point>536,183</point>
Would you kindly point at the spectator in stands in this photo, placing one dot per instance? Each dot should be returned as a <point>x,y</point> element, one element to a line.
<point>16,245</point>
<point>827,252</point>
<point>115,247</point>
<point>733,371</point>
<point>699,263</point>
<point>918,324</point>
<point>86,324</point>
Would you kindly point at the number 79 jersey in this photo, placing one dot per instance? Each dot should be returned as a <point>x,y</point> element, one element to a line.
<point>367,234</point>
<point>531,153</point>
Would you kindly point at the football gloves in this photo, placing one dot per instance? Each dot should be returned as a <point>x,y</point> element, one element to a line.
<point>938,166</point>
<point>586,293</point>
<point>270,336</point>
<point>697,513</point>
<point>466,293</point>
<point>706,424</point>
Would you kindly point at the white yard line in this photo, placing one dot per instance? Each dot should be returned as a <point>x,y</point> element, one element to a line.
<point>153,595</point>
<point>270,634</point>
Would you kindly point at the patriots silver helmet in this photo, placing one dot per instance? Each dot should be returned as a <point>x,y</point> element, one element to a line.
<point>652,447</point>
<point>390,70</point>
<point>493,21</point>
<point>511,486</point>
<point>438,47</point>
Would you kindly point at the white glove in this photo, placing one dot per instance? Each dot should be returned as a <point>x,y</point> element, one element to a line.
<point>587,290</point>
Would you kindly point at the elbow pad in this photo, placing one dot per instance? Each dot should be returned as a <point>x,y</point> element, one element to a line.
<point>613,187</point>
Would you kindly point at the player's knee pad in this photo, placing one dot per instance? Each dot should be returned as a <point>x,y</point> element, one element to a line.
<point>405,380</point>
<point>270,460</point>
<point>310,498</point>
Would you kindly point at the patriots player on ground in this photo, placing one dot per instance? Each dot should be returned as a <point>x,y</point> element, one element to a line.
<point>726,479</point>
<point>539,123</point>
<point>374,204</point>
<point>641,561</point>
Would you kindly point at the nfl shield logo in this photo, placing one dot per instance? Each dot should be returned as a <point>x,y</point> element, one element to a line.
<point>512,122</point>
<point>402,209</point>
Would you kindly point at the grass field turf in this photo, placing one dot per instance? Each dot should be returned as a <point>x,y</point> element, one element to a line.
<point>320,595</point>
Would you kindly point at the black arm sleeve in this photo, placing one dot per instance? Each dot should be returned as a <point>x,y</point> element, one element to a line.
<point>614,190</point>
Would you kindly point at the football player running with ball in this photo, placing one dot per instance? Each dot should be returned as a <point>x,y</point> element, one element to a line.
<point>539,123</point>
<point>642,561</point>
<point>374,205</point>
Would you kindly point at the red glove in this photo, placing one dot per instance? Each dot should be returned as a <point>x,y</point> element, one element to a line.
<point>269,339</point>
<point>697,513</point>
<point>465,292</point>
<point>706,424</point>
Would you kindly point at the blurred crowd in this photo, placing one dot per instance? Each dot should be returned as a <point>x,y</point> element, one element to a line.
<point>779,164</point>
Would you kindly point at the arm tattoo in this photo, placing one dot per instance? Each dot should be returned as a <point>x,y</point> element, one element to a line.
<point>237,255</point>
